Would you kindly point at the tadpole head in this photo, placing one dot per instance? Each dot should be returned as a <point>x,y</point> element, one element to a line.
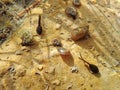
<point>39,30</point>
<point>94,68</point>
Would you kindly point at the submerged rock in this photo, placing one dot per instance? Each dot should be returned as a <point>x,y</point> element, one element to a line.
<point>79,33</point>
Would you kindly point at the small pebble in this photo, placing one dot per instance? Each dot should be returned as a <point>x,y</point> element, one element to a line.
<point>57,43</point>
<point>76,3</point>
<point>56,82</point>
<point>11,69</point>
<point>37,73</point>
<point>24,48</point>
<point>52,70</point>
<point>69,87</point>
<point>116,63</point>
<point>40,68</point>
<point>72,12</point>
<point>74,69</point>
<point>18,52</point>
<point>57,26</point>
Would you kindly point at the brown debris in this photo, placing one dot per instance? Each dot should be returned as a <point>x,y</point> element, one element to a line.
<point>21,14</point>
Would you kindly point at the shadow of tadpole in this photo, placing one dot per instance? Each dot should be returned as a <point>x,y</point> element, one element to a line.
<point>68,59</point>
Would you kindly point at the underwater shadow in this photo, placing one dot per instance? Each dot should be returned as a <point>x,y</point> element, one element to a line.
<point>68,59</point>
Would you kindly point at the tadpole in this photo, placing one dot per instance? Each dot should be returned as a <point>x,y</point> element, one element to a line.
<point>39,27</point>
<point>93,68</point>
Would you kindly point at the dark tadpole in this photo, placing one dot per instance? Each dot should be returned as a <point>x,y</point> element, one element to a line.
<point>93,68</point>
<point>39,27</point>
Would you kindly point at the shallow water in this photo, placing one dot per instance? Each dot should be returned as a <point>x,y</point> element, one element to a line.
<point>41,67</point>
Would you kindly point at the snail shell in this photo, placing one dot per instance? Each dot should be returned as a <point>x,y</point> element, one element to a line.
<point>63,51</point>
<point>71,11</point>
<point>79,33</point>
<point>76,3</point>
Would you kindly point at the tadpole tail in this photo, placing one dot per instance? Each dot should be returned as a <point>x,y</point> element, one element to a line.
<point>83,59</point>
<point>39,21</point>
